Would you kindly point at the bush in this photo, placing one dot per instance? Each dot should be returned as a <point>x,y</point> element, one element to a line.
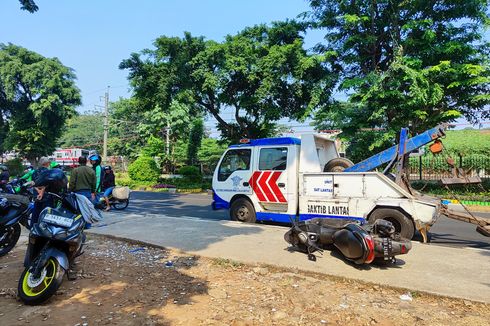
<point>190,173</point>
<point>15,167</point>
<point>144,169</point>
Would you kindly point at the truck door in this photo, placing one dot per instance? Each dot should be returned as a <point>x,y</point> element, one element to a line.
<point>232,175</point>
<point>273,187</point>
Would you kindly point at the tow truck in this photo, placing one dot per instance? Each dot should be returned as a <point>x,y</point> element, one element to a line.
<point>286,178</point>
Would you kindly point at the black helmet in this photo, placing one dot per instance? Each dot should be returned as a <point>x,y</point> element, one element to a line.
<point>4,167</point>
<point>107,168</point>
<point>54,180</point>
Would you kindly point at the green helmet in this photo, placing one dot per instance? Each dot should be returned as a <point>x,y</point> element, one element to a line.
<point>53,165</point>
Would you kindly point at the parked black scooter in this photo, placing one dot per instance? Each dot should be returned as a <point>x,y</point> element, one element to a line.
<point>359,244</point>
<point>54,242</point>
<point>15,210</point>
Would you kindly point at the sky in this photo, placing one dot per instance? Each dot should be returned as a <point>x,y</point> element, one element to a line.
<point>93,37</point>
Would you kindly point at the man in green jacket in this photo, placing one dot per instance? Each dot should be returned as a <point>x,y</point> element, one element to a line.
<point>82,180</point>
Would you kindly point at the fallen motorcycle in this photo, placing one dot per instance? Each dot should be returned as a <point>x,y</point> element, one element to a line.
<point>360,244</point>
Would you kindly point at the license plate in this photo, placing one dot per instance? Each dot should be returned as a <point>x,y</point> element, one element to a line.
<point>58,220</point>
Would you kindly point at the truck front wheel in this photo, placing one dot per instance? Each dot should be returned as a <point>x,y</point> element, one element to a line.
<point>242,210</point>
<point>401,222</point>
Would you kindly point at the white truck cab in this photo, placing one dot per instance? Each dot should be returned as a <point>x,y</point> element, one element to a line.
<point>279,179</point>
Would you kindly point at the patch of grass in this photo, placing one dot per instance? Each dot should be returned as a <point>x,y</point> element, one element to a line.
<point>227,263</point>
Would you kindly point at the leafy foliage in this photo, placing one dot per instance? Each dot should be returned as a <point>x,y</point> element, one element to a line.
<point>37,95</point>
<point>467,142</point>
<point>403,63</point>
<point>210,153</point>
<point>16,168</point>
<point>29,5</point>
<point>84,130</point>
<point>195,139</point>
<point>144,169</point>
<point>263,74</point>
<point>191,173</point>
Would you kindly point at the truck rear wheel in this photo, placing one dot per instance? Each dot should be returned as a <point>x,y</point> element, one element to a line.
<point>401,222</point>
<point>338,164</point>
<point>242,210</point>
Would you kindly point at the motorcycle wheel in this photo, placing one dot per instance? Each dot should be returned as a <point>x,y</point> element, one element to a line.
<point>400,221</point>
<point>34,291</point>
<point>8,238</point>
<point>120,205</point>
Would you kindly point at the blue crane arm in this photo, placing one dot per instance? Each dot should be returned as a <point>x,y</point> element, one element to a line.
<point>390,153</point>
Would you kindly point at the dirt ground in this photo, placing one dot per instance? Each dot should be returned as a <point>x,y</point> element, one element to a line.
<point>129,284</point>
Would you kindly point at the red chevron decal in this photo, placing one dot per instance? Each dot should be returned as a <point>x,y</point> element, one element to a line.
<point>263,184</point>
<point>253,183</point>
<point>265,187</point>
<point>275,189</point>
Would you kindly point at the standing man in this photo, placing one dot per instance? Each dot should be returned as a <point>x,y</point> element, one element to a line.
<point>95,160</point>
<point>82,180</point>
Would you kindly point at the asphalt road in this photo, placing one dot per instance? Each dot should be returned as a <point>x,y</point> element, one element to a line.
<point>445,232</point>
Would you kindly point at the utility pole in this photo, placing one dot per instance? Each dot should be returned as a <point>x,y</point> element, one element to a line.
<point>167,133</point>
<point>106,125</point>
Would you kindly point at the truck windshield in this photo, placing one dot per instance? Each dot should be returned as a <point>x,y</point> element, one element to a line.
<point>234,160</point>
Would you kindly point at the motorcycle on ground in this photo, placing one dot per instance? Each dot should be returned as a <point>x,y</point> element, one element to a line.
<point>365,244</point>
<point>15,210</point>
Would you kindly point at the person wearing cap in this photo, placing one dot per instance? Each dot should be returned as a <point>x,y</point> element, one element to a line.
<point>82,180</point>
<point>108,185</point>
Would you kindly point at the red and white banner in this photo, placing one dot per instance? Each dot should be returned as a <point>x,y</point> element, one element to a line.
<point>264,184</point>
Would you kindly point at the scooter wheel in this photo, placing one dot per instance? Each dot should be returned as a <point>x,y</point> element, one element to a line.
<point>33,291</point>
<point>120,205</point>
<point>9,236</point>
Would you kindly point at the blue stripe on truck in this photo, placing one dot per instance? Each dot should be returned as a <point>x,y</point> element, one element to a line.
<point>286,218</point>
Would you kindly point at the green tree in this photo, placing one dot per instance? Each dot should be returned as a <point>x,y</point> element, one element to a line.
<point>29,5</point>
<point>195,139</point>
<point>144,169</point>
<point>84,130</point>
<point>403,63</point>
<point>37,95</point>
<point>210,153</point>
<point>125,138</point>
<point>260,75</point>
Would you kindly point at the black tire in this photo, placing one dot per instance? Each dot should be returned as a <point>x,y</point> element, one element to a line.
<point>242,210</point>
<point>53,276</point>
<point>402,223</point>
<point>120,205</point>
<point>9,236</point>
<point>338,164</point>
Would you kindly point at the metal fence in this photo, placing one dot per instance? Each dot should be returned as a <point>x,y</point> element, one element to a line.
<point>435,167</point>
